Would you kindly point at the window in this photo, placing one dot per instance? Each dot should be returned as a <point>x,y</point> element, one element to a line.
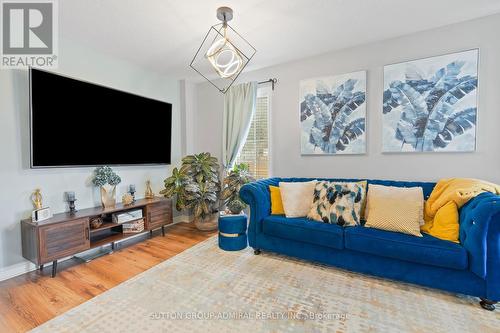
<point>255,151</point>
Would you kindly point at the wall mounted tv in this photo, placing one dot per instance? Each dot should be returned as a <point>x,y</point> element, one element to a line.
<point>75,123</point>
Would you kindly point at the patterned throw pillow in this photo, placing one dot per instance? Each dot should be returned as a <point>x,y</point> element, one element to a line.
<point>337,203</point>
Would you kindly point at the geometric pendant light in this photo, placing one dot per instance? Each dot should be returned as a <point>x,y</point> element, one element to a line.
<point>223,54</point>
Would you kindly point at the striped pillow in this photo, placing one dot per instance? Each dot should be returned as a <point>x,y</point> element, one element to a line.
<point>391,211</point>
<point>407,193</point>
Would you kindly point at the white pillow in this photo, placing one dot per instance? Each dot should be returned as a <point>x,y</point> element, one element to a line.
<point>297,197</point>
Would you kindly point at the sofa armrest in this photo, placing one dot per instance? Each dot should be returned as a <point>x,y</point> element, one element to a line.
<point>256,195</point>
<point>480,235</point>
<point>493,259</point>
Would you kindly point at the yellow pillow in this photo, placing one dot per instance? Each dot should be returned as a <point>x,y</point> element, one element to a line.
<point>445,225</point>
<point>276,202</point>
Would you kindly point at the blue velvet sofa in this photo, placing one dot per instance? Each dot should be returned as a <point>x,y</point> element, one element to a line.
<point>471,267</point>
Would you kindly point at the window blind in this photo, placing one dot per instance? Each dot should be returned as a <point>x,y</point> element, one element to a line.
<point>255,151</point>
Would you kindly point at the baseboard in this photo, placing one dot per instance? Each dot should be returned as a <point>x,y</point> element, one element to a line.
<point>26,266</point>
<point>182,218</point>
<point>16,269</point>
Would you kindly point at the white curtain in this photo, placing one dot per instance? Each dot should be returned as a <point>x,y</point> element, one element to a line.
<point>239,107</point>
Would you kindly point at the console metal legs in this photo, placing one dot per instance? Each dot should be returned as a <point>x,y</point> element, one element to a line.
<point>54,268</point>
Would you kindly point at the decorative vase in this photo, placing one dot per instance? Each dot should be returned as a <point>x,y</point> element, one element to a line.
<point>149,194</point>
<point>108,196</point>
<point>207,224</point>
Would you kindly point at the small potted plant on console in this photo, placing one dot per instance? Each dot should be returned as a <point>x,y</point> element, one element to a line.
<point>106,179</point>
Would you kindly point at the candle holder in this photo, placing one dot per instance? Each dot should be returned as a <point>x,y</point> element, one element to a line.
<point>72,207</point>
<point>131,190</point>
<point>70,198</point>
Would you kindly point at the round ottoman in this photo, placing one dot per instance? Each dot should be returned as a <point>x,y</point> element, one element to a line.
<point>233,232</point>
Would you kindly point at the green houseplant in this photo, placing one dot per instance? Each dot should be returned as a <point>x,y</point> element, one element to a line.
<point>196,187</point>
<point>106,179</point>
<point>236,178</point>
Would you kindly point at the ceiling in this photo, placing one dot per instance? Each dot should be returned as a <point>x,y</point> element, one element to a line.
<point>163,35</point>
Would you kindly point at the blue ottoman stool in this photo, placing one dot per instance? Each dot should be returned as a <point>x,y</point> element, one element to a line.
<point>233,232</point>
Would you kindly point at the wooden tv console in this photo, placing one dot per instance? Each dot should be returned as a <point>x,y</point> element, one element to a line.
<point>67,234</point>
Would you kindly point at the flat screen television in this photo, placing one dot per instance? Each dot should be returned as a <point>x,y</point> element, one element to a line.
<point>76,123</point>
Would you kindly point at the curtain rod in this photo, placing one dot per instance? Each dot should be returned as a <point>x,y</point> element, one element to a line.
<point>272,81</point>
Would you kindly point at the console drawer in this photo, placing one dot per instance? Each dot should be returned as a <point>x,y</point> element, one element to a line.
<point>63,239</point>
<point>159,214</point>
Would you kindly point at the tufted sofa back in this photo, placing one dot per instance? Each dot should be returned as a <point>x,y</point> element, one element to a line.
<point>426,186</point>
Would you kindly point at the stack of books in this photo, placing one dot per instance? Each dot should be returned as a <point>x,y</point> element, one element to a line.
<point>128,216</point>
<point>132,221</point>
<point>133,227</point>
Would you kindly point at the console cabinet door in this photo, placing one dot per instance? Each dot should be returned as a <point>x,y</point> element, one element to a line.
<point>63,239</point>
<point>159,214</point>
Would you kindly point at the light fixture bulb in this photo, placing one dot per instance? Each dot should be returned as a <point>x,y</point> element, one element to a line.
<point>224,58</point>
<point>223,51</point>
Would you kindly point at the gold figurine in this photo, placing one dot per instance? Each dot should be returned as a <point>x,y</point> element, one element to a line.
<point>36,198</point>
<point>127,199</point>
<point>149,191</point>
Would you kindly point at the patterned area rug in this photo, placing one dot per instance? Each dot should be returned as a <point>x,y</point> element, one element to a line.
<point>205,289</point>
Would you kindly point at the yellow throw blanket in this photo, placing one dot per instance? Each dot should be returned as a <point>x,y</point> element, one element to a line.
<point>453,192</point>
<point>458,190</point>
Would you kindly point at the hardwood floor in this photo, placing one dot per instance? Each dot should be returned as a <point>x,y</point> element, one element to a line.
<point>31,299</point>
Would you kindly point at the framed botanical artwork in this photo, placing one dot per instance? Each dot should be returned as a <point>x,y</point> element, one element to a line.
<point>430,105</point>
<point>333,114</point>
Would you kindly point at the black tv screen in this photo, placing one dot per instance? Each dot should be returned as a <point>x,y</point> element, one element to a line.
<point>76,123</point>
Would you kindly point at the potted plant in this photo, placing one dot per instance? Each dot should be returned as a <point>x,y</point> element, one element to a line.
<point>237,177</point>
<point>106,179</point>
<point>196,187</point>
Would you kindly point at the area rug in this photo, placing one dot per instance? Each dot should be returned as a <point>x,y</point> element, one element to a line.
<point>205,289</point>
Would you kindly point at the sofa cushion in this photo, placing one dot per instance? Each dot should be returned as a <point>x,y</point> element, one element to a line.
<point>426,250</point>
<point>303,230</point>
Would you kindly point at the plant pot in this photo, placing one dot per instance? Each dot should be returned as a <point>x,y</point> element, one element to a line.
<point>235,211</point>
<point>209,223</point>
<point>108,196</point>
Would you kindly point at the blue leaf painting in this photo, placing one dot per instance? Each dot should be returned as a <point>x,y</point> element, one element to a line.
<point>430,103</point>
<point>456,125</point>
<point>332,114</point>
<point>352,131</point>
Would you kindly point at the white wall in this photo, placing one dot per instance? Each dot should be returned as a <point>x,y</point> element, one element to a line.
<point>188,103</point>
<point>18,181</point>
<point>287,161</point>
